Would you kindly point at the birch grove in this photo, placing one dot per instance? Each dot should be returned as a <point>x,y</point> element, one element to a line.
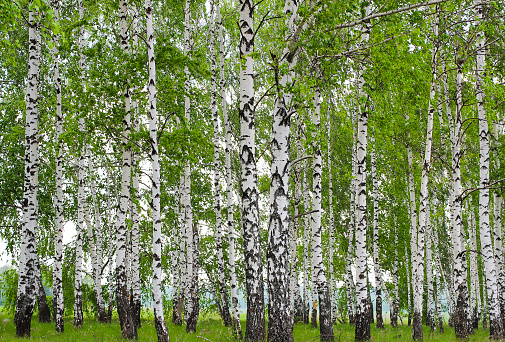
<point>301,170</point>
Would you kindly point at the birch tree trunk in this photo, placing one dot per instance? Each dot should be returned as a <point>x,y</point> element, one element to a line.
<point>424,204</point>
<point>306,241</point>
<point>96,246</point>
<point>159,318</point>
<point>499,251</point>
<point>325,326</point>
<point>81,196</point>
<point>230,222</point>
<point>136,302</point>
<point>44,311</point>
<point>128,328</point>
<point>255,323</point>
<point>440,321</point>
<point>430,320</point>
<point>474,269</point>
<point>460,276</point>
<point>332,232</point>
<point>362,315</point>
<point>280,322</point>
<point>195,303</point>
<point>187,208</point>
<point>58,303</point>
<point>350,287</point>
<point>377,270</point>
<point>217,166</point>
<point>396,301</point>
<point>409,283</point>
<point>177,264</point>
<point>495,323</point>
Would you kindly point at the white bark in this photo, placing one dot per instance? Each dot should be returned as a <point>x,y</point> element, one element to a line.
<point>255,325</point>
<point>217,169</point>
<point>377,268</point>
<point>128,328</point>
<point>430,304</point>
<point>318,270</point>
<point>474,271</point>
<point>332,230</point>
<point>230,222</point>
<point>424,204</point>
<point>96,247</point>
<point>186,192</point>
<point>362,314</point>
<point>135,230</point>
<point>349,280</point>
<point>58,303</point>
<point>495,325</point>
<point>308,294</point>
<point>498,250</point>
<point>159,318</point>
<point>25,300</point>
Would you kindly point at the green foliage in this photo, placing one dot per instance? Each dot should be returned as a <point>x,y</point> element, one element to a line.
<point>9,290</point>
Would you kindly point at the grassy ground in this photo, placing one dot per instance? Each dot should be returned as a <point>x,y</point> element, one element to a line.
<point>209,329</point>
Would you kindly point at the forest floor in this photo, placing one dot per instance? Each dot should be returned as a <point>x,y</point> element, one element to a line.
<point>208,329</point>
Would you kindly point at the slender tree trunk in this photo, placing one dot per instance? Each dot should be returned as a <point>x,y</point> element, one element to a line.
<point>195,305</point>
<point>499,252</point>
<point>474,268</point>
<point>325,326</point>
<point>188,210</point>
<point>332,232</point>
<point>128,328</point>
<point>81,196</point>
<point>306,241</point>
<point>58,303</point>
<point>96,247</point>
<point>438,300</point>
<point>183,255</point>
<point>430,306</point>
<point>136,302</point>
<point>352,228</point>
<point>110,275</point>
<point>177,264</point>
<point>424,204</point>
<point>495,323</point>
<point>362,315</point>
<point>396,301</point>
<point>159,318</point>
<point>378,273</point>
<point>409,283</point>
<point>255,323</point>
<point>44,311</point>
<point>230,222</point>
<point>460,276</point>
<point>217,167</point>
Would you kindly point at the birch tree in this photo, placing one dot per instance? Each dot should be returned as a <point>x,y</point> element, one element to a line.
<point>58,303</point>
<point>230,222</point>
<point>495,324</point>
<point>362,331</point>
<point>255,323</point>
<point>217,166</point>
<point>128,328</point>
<point>325,325</point>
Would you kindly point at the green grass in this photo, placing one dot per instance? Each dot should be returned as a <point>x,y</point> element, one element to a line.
<point>210,329</point>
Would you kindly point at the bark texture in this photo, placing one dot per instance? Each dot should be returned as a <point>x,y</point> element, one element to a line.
<point>255,323</point>
<point>128,328</point>
<point>25,299</point>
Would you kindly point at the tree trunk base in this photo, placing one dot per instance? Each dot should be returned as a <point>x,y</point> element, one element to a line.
<point>23,316</point>
<point>417,327</point>
<point>362,331</point>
